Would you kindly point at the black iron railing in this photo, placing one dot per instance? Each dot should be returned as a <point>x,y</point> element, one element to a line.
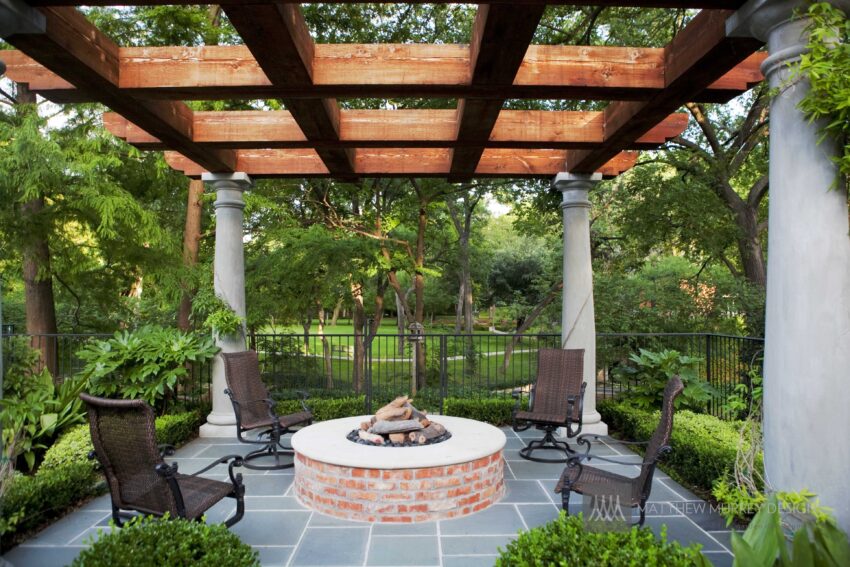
<point>383,366</point>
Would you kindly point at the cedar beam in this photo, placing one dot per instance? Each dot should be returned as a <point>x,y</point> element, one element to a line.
<point>501,35</point>
<point>401,162</point>
<point>288,60</point>
<point>385,71</point>
<point>72,48</point>
<point>697,56</point>
<point>531,129</point>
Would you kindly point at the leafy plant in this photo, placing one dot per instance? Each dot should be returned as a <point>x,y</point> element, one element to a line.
<point>146,363</point>
<point>826,65</point>
<point>146,541</point>
<point>215,315</point>
<point>35,410</point>
<point>746,396</point>
<point>818,541</point>
<point>649,371</point>
<point>565,541</point>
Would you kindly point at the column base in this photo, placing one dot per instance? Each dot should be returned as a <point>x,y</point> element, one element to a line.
<point>212,430</point>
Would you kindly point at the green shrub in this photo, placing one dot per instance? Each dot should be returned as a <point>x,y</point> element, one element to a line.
<point>647,375</point>
<point>153,542</point>
<point>704,447</point>
<point>176,429</point>
<point>143,364</point>
<point>495,411</point>
<point>31,500</point>
<point>326,408</point>
<point>72,447</point>
<point>565,541</point>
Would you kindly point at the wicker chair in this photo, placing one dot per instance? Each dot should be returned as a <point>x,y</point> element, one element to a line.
<point>583,479</point>
<point>254,409</point>
<point>124,439</point>
<point>557,400</point>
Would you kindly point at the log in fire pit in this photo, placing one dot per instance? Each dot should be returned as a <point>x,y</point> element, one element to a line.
<point>399,424</point>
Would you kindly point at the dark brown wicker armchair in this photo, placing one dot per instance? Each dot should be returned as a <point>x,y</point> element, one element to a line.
<point>254,409</point>
<point>583,479</point>
<point>557,400</point>
<point>124,439</point>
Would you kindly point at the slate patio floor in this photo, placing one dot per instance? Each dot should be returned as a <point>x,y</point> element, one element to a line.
<point>285,533</point>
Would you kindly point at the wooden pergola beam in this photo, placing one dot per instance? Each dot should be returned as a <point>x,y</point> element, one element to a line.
<point>501,35</point>
<point>386,70</point>
<point>288,60</point>
<point>533,129</point>
<point>697,56</point>
<point>72,48</point>
<point>406,162</point>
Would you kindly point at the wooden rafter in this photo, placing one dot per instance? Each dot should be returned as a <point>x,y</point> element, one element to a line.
<point>72,48</point>
<point>534,129</point>
<point>697,56</point>
<point>288,60</point>
<point>406,162</point>
<point>387,70</point>
<point>501,35</point>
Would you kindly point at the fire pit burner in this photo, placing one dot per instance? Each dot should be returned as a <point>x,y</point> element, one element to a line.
<point>399,424</point>
<point>355,437</point>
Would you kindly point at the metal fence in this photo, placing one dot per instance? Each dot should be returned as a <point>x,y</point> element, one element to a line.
<point>383,366</point>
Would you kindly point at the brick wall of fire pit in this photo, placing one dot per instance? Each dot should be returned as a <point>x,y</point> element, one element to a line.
<point>400,495</point>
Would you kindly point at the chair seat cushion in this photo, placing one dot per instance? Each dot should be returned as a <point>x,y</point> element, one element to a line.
<point>295,418</point>
<point>200,494</point>
<point>536,416</point>
<point>585,479</point>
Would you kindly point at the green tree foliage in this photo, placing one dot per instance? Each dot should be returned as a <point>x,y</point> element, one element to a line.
<point>827,67</point>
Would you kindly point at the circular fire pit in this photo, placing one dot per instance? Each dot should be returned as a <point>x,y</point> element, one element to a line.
<point>461,475</point>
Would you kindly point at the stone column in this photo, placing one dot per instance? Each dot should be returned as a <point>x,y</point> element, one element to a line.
<point>578,325</point>
<point>807,354</point>
<point>229,284</point>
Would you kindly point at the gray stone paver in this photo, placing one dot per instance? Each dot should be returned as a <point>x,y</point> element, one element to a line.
<point>287,534</point>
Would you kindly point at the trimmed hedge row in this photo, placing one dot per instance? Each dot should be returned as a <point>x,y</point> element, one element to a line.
<point>495,411</point>
<point>326,408</point>
<point>67,476</point>
<point>566,541</point>
<point>704,447</point>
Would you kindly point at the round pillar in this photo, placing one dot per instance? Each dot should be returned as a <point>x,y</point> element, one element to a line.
<point>229,285</point>
<point>578,325</point>
<point>807,356</point>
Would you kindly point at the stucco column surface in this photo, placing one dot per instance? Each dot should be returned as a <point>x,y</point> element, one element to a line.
<point>229,284</point>
<point>807,331</point>
<point>578,325</point>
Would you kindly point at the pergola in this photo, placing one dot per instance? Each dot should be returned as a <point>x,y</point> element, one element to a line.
<point>64,58</point>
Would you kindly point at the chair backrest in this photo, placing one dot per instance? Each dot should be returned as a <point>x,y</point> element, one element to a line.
<point>661,436</point>
<point>242,372</point>
<point>560,373</point>
<point>124,439</point>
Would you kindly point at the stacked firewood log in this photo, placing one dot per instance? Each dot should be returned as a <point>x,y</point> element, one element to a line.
<point>400,422</point>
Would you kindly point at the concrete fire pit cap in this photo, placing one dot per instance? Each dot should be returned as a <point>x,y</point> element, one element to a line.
<point>325,441</point>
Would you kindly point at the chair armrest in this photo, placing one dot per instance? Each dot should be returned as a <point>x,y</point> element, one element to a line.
<point>169,473</point>
<point>303,401</point>
<point>608,437</point>
<point>237,461</point>
<point>661,452</point>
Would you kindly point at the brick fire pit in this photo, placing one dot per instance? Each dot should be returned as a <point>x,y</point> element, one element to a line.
<point>454,478</point>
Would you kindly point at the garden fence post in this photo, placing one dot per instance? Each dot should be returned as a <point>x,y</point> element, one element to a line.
<point>444,370</point>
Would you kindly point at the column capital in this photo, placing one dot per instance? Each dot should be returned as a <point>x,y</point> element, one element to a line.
<point>239,181</point>
<point>574,187</point>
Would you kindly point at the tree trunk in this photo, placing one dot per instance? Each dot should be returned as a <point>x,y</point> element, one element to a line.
<point>358,319</point>
<point>459,308</point>
<point>419,291</point>
<point>337,309</point>
<point>326,348</point>
<point>527,322</point>
<point>305,325</point>
<point>191,245</point>
<point>400,318</point>
<point>40,304</point>
<point>38,289</point>
<point>749,245</point>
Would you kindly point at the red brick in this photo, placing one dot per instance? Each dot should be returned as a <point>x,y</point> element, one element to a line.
<point>430,472</point>
<point>462,491</point>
